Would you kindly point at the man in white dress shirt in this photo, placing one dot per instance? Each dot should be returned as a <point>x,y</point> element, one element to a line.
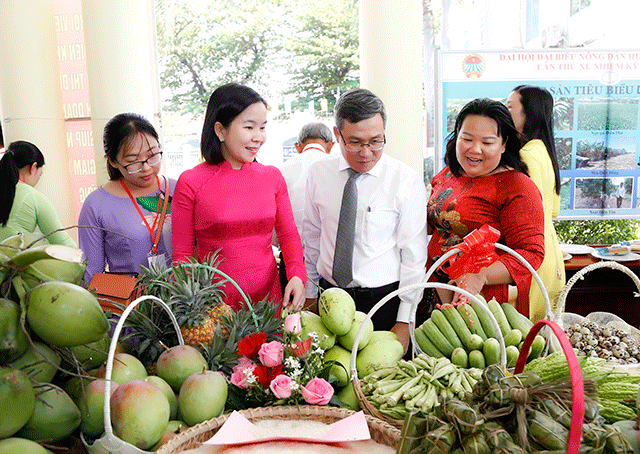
<point>390,243</point>
<point>314,144</point>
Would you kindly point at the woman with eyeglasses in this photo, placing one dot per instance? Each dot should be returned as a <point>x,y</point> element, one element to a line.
<point>232,203</point>
<point>121,222</point>
<point>22,207</point>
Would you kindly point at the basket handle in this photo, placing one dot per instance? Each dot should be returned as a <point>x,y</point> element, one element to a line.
<point>108,428</point>
<point>580,274</point>
<point>524,261</point>
<point>577,384</point>
<point>407,288</point>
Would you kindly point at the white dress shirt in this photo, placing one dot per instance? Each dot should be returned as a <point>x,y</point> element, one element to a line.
<point>391,234</point>
<point>295,171</point>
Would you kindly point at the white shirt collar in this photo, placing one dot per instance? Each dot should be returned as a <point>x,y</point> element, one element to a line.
<point>375,171</point>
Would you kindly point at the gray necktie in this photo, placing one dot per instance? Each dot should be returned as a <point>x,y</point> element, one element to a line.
<point>343,257</point>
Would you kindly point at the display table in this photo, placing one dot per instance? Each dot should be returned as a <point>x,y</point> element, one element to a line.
<point>603,289</point>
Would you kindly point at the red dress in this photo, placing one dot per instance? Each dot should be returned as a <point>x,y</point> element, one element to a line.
<point>217,207</point>
<point>508,201</point>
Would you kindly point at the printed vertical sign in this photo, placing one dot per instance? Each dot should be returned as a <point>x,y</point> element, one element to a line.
<point>596,117</point>
<point>74,84</point>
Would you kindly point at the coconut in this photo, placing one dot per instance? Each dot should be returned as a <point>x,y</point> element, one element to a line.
<point>17,400</point>
<point>16,445</point>
<point>94,354</point>
<point>336,309</point>
<point>46,270</point>
<point>13,340</point>
<point>38,362</point>
<point>12,245</point>
<point>139,413</point>
<point>65,314</point>
<point>55,416</point>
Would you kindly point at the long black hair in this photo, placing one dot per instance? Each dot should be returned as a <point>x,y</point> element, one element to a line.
<point>537,104</point>
<point>498,112</point>
<point>19,154</point>
<point>225,104</point>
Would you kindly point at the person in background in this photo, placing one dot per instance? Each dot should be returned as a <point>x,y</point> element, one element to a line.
<point>120,221</point>
<point>385,246</point>
<point>620,195</point>
<point>232,203</point>
<point>2,150</point>
<point>314,143</point>
<point>485,183</point>
<point>22,207</point>
<point>532,111</point>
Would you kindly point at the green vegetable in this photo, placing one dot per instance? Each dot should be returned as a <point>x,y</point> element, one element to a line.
<point>445,328</point>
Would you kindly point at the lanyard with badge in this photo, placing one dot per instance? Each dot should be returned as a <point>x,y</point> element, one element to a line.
<point>153,257</point>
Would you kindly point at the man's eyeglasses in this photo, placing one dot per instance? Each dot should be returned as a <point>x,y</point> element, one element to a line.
<point>137,166</point>
<point>355,147</point>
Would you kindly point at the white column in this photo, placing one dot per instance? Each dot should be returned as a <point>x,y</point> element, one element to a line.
<point>122,64</point>
<point>30,94</point>
<point>391,67</point>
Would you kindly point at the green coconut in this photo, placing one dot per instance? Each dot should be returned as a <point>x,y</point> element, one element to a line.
<point>12,245</point>
<point>17,400</point>
<point>38,362</point>
<point>46,270</point>
<point>55,416</point>
<point>15,445</point>
<point>65,314</point>
<point>13,340</point>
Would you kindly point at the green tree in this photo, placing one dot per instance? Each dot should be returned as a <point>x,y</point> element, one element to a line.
<point>324,49</point>
<point>205,44</point>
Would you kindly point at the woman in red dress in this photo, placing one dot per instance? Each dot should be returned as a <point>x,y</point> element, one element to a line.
<point>486,182</point>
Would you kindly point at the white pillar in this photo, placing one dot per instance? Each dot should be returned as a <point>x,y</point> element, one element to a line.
<point>120,38</point>
<point>31,97</point>
<point>391,67</point>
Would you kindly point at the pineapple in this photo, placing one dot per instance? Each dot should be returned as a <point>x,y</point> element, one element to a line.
<point>195,296</point>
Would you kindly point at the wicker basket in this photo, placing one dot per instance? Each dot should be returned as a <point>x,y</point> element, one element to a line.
<point>562,297</point>
<point>381,432</point>
<point>366,406</point>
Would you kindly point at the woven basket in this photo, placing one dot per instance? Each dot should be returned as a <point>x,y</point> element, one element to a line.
<point>562,297</point>
<point>191,438</point>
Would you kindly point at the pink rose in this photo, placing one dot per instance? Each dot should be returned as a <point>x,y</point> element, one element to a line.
<point>270,354</point>
<point>318,391</point>
<point>239,373</point>
<point>281,386</point>
<point>292,324</point>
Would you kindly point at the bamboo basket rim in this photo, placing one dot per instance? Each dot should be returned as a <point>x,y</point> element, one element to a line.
<point>381,432</point>
<point>562,297</point>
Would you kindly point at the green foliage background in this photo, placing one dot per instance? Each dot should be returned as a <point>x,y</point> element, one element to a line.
<point>597,232</point>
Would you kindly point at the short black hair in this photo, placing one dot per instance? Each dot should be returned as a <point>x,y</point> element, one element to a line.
<point>356,105</point>
<point>121,130</point>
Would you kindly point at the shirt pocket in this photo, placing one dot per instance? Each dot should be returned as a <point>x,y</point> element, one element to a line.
<point>379,228</point>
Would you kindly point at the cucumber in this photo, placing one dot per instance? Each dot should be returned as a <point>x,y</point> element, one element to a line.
<point>513,337</point>
<point>475,342</point>
<point>516,319</point>
<point>537,346</point>
<point>437,338</point>
<point>445,328</point>
<point>425,344</point>
<point>476,359</point>
<point>460,358</point>
<point>485,320</point>
<point>498,313</point>
<point>491,351</point>
<point>470,317</point>
<point>457,322</point>
<point>512,355</point>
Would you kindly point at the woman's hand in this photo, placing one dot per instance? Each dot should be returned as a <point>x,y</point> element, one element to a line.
<point>294,296</point>
<point>471,282</point>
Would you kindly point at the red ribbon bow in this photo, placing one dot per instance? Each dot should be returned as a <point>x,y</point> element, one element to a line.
<point>478,251</point>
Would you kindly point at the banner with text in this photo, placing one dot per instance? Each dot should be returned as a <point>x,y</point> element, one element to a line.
<point>596,117</point>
